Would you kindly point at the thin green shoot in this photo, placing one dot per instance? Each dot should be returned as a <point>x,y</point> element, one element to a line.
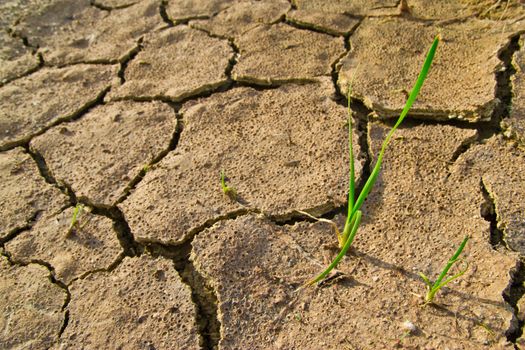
<point>433,288</point>
<point>353,218</point>
<point>75,219</point>
<point>226,189</point>
<point>351,179</point>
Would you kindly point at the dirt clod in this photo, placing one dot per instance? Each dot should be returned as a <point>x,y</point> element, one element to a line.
<point>176,64</point>
<point>460,84</point>
<point>32,104</point>
<point>30,307</point>
<point>90,245</point>
<point>280,53</point>
<point>100,154</point>
<point>25,196</point>
<point>141,304</point>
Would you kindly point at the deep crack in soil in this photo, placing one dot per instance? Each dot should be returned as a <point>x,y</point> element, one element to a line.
<point>48,176</point>
<point>512,294</point>
<point>202,295</point>
<point>488,212</point>
<point>504,86</point>
<point>171,147</point>
<point>516,288</point>
<point>164,14</point>
<point>24,142</point>
<point>127,59</point>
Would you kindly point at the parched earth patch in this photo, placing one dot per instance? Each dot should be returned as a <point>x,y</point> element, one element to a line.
<point>184,10</point>
<point>30,105</point>
<point>500,167</point>
<point>15,58</point>
<point>178,63</point>
<point>242,17</point>
<point>394,49</point>
<point>266,140</point>
<point>251,256</point>
<point>157,158</point>
<point>89,245</point>
<point>25,196</point>
<point>146,306</point>
<point>31,314</point>
<point>279,53</point>
<point>99,155</point>
<point>75,32</point>
<point>328,22</point>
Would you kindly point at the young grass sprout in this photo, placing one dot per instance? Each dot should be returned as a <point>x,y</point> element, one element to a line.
<point>354,213</point>
<point>75,219</point>
<point>227,190</point>
<point>433,288</point>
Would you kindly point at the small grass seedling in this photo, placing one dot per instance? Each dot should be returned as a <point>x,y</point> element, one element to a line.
<point>433,288</point>
<point>75,219</point>
<point>353,218</point>
<point>227,190</point>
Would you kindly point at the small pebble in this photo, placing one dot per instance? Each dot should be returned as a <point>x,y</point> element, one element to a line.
<point>409,327</point>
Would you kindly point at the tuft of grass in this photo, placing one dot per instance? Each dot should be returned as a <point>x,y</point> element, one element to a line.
<point>78,211</point>
<point>354,213</point>
<point>433,288</point>
<point>227,190</point>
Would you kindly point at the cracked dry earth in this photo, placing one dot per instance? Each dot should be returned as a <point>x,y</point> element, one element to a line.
<point>122,113</point>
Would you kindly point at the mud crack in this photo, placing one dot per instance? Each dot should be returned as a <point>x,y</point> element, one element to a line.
<point>336,65</point>
<point>503,78</point>
<point>516,288</point>
<point>113,213</point>
<point>27,73</point>
<point>164,14</point>
<point>488,212</point>
<point>310,27</point>
<point>16,231</point>
<point>45,172</point>
<point>512,294</point>
<point>127,59</point>
<point>203,296</point>
<point>120,225</point>
<point>102,7</point>
<point>53,280</point>
<point>233,60</point>
<point>24,142</point>
<point>171,147</point>
<point>205,299</point>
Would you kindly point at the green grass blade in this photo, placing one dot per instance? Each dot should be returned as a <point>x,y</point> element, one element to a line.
<point>351,180</point>
<point>451,262</point>
<point>433,290</point>
<point>450,279</point>
<point>413,95</point>
<point>342,253</point>
<point>346,231</point>
<point>354,214</point>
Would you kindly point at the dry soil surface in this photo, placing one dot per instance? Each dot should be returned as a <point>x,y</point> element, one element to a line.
<point>118,117</point>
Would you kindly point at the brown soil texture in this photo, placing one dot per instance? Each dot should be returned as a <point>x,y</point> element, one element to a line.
<point>157,158</point>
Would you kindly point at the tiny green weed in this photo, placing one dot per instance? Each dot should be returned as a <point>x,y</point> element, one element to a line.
<point>433,288</point>
<point>75,219</point>
<point>227,190</point>
<point>354,214</point>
